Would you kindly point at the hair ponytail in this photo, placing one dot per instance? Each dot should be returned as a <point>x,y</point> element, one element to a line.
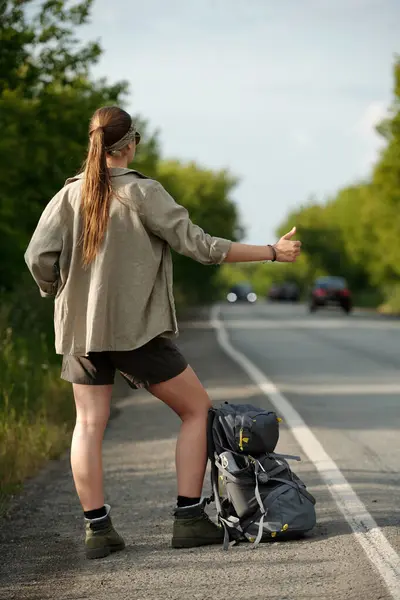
<point>96,197</point>
<point>110,128</point>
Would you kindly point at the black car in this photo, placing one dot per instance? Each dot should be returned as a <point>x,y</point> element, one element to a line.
<point>330,291</point>
<point>288,290</point>
<point>241,292</point>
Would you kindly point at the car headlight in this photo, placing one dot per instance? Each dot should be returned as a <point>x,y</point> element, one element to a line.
<point>251,297</point>
<point>231,297</point>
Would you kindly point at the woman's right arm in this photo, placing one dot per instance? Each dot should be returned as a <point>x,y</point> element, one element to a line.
<point>286,250</point>
<point>171,222</point>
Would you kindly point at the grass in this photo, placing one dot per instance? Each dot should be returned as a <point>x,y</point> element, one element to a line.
<point>391,305</point>
<point>36,407</point>
<point>367,299</point>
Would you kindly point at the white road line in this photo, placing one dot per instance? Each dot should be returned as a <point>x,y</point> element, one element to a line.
<point>299,324</point>
<point>368,534</point>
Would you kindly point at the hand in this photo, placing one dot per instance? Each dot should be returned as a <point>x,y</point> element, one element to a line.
<point>287,250</point>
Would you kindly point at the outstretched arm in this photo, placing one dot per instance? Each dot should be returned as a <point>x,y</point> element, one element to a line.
<point>171,222</point>
<point>285,250</point>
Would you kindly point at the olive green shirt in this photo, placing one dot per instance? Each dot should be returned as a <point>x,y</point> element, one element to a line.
<point>125,297</point>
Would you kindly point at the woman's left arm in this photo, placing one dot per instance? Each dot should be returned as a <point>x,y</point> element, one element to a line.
<point>43,253</point>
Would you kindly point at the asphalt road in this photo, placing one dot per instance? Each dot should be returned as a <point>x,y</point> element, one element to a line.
<point>340,375</point>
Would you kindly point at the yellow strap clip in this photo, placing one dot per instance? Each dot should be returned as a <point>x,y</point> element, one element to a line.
<point>242,440</point>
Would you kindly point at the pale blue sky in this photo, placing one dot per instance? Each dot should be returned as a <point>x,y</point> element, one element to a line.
<point>284,93</point>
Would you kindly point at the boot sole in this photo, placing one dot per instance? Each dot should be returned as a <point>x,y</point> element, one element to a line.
<point>193,542</point>
<point>93,553</point>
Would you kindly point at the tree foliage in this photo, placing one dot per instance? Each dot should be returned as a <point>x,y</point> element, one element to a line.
<point>47,97</point>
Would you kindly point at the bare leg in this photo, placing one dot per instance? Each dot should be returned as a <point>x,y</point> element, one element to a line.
<point>92,413</point>
<point>189,400</point>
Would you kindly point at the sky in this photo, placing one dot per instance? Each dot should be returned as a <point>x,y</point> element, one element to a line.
<point>283,93</point>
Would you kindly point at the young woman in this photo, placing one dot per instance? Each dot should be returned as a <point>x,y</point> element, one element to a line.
<point>102,250</point>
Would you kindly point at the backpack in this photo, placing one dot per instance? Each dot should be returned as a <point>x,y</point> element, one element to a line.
<point>258,497</point>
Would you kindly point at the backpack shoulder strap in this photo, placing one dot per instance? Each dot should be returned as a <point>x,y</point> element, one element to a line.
<point>211,455</point>
<point>210,440</point>
<point>260,504</point>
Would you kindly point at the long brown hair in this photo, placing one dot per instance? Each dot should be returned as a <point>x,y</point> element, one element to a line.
<point>107,126</point>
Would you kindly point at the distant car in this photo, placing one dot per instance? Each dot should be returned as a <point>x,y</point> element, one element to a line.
<point>330,291</point>
<point>288,290</point>
<point>242,292</point>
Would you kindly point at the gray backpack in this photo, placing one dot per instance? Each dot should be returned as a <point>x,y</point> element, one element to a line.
<point>258,497</point>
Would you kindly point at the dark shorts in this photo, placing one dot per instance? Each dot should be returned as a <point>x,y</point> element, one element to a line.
<point>156,361</point>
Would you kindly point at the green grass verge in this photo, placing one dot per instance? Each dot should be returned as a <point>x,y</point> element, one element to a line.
<point>36,406</point>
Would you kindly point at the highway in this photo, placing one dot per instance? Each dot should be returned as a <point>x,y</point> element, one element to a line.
<point>335,381</point>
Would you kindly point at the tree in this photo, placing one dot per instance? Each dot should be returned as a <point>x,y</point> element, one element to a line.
<point>382,206</point>
<point>46,100</point>
<point>356,233</point>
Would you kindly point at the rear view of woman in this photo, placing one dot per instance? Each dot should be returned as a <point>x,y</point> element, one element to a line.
<point>102,250</point>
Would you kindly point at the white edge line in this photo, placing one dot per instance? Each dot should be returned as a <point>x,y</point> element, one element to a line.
<point>375,545</point>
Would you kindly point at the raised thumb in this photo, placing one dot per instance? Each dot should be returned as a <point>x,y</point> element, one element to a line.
<point>289,235</point>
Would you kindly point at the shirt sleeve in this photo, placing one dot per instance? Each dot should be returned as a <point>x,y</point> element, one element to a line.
<point>43,253</point>
<point>171,222</point>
